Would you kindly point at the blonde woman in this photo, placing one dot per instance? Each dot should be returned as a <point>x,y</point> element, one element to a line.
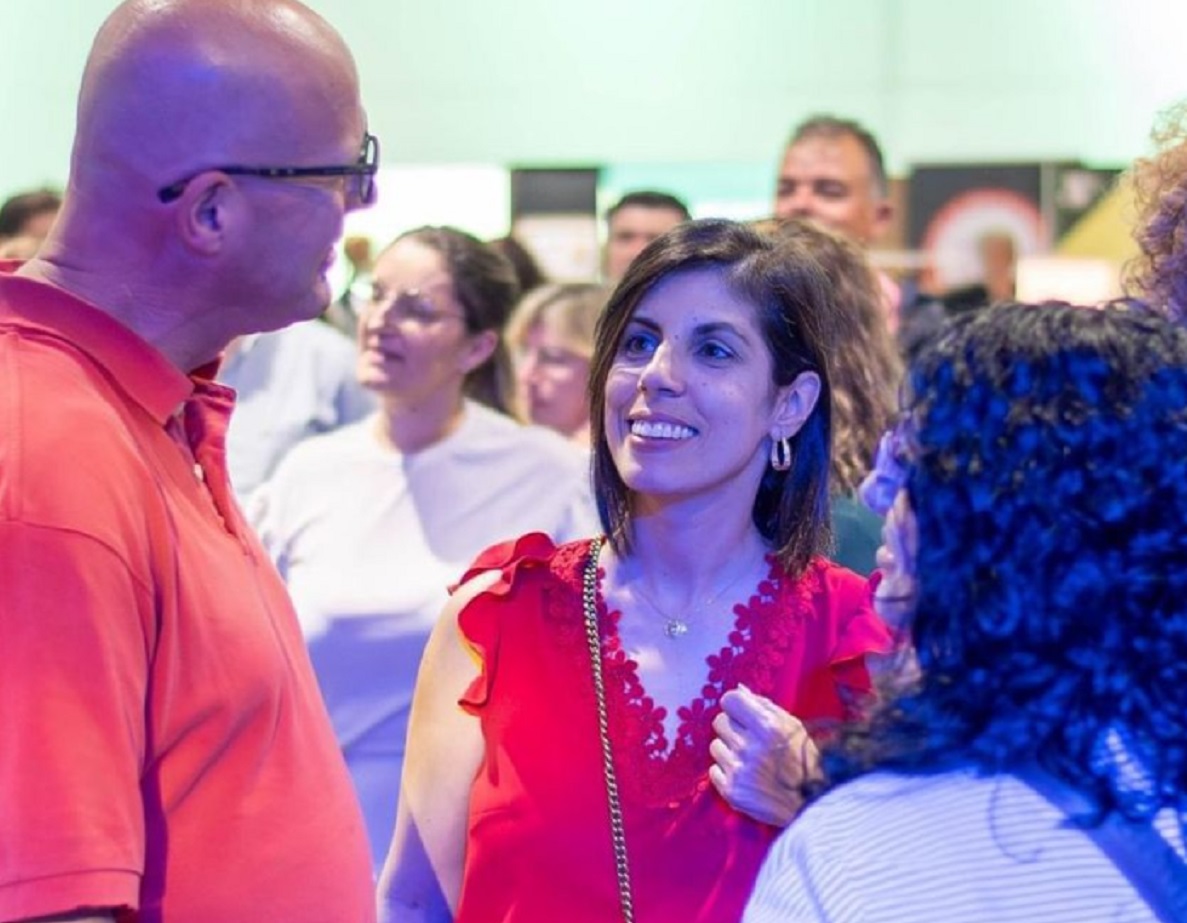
<point>551,336</point>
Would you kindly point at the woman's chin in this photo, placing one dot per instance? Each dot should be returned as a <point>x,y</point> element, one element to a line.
<point>377,381</point>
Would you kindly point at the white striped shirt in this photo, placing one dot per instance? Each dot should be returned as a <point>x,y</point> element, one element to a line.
<point>940,849</point>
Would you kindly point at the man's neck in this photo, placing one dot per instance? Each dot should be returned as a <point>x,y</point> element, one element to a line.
<point>151,315</point>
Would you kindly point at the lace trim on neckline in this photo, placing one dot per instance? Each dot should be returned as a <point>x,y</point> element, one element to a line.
<point>649,769</point>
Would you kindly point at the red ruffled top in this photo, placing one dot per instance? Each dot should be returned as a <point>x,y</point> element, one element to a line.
<point>539,845</point>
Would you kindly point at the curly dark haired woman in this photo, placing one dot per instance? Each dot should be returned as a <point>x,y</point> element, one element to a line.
<point>1040,533</point>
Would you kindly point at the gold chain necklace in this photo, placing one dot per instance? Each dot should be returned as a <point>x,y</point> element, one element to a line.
<point>676,626</point>
<point>589,607</point>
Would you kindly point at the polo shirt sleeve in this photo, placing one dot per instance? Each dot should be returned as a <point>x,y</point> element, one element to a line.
<point>73,678</point>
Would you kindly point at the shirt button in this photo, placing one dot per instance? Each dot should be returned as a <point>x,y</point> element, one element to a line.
<point>199,473</point>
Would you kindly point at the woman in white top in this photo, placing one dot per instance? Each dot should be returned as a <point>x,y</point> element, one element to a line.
<point>369,525</point>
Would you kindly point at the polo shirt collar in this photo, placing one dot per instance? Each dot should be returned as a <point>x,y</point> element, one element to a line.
<point>139,369</point>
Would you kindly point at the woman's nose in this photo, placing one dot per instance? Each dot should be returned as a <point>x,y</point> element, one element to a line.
<point>374,316</point>
<point>662,371</point>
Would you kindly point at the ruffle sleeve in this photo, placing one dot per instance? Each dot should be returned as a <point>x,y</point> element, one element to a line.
<point>480,621</point>
<point>860,632</point>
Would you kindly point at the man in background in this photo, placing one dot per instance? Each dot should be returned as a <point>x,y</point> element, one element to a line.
<point>165,755</point>
<point>25,220</point>
<point>632,223</point>
<point>833,172</point>
<point>289,384</point>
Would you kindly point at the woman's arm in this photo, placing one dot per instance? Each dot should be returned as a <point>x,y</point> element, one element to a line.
<point>422,876</point>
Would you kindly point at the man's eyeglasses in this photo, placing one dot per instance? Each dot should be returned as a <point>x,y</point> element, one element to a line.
<point>362,171</point>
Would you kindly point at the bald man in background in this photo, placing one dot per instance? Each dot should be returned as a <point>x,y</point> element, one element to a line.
<point>164,754</point>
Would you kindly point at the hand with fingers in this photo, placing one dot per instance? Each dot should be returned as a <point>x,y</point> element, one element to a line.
<point>762,755</point>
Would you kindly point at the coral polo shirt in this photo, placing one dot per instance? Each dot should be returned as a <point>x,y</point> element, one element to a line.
<point>163,747</point>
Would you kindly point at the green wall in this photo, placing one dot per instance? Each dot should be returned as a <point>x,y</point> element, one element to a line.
<point>535,82</point>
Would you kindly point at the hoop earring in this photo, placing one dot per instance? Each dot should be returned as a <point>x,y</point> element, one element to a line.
<point>781,454</point>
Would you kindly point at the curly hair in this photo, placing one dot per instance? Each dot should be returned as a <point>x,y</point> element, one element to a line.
<point>1159,273</point>
<point>864,365</point>
<point>1045,472</point>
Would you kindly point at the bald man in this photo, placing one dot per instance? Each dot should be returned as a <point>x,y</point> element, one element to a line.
<point>164,754</point>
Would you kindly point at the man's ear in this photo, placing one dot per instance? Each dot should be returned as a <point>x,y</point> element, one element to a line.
<point>794,404</point>
<point>883,218</point>
<point>206,210</point>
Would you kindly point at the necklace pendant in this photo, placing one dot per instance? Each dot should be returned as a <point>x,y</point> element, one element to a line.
<point>675,628</point>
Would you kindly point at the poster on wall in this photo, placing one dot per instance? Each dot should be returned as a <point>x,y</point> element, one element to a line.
<point>977,224</point>
<point>961,213</point>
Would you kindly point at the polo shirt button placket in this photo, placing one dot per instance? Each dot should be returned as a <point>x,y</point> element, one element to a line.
<point>177,429</point>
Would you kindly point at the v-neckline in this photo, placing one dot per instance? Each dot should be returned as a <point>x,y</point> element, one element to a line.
<point>690,727</point>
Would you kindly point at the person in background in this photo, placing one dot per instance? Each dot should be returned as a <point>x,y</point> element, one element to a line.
<point>164,752</point>
<point>357,259</point>
<point>527,270</point>
<point>29,214</point>
<point>632,223</point>
<point>25,220</point>
<point>551,337</point>
<point>833,172</point>
<point>369,525</point>
<point>289,384</point>
<point>998,255</point>
<point>19,248</point>
<point>637,711</point>
<point>865,370</point>
<point>1032,767</point>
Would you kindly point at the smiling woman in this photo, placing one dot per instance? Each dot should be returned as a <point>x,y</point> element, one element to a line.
<point>639,710</point>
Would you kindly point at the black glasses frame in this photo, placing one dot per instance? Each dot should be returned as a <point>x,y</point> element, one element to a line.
<point>365,169</point>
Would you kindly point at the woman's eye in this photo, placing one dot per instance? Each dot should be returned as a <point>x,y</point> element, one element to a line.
<point>554,357</point>
<point>637,344</point>
<point>712,350</point>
